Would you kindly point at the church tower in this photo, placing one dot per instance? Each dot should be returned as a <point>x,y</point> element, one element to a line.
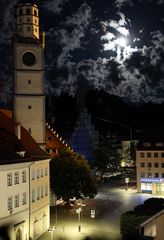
<point>28,46</point>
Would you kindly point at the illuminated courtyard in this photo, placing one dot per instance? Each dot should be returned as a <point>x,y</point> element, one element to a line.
<point>109,204</point>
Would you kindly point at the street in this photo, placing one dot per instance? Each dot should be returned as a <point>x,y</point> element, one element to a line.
<point>99,217</point>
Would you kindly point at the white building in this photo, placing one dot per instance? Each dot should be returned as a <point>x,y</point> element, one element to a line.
<point>24,163</point>
<point>24,172</point>
<point>150,162</point>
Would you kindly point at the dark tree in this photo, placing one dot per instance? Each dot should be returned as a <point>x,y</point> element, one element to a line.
<point>107,155</point>
<point>130,221</point>
<point>71,176</point>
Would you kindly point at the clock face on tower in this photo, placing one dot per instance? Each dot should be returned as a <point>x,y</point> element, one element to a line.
<point>29,59</point>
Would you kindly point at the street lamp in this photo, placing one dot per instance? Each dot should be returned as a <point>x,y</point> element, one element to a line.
<point>51,230</point>
<point>79,217</point>
<point>79,212</point>
<point>126,181</point>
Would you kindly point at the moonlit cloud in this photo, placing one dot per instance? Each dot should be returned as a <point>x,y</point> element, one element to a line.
<point>83,43</point>
<point>54,6</point>
<point>121,3</point>
<point>119,25</point>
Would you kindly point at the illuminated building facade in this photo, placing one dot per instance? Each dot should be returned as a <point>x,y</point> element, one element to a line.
<point>150,166</point>
<point>24,172</point>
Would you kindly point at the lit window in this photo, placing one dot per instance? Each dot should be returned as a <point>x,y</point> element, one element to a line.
<point>9,179</point>
<point>16,178</point>
<point>10,203</point>
<point>24,176</point>
<point>17,200</point>
<point>24,199</point>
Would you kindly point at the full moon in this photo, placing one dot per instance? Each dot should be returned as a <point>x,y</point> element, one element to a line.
<point>122,42</point>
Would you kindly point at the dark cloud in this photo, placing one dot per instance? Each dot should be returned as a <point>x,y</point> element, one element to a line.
<point>85,41</point>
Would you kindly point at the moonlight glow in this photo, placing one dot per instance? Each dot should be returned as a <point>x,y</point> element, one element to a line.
<point>122,42</point>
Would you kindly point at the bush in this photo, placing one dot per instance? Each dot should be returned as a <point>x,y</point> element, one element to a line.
<point>129,225</point>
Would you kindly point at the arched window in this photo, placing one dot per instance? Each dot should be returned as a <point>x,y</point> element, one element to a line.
<point>18,235</point>
<point>35,13</point>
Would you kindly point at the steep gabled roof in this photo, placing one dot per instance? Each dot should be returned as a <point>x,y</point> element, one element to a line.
<point>26,142</point>
<point>12,143</point>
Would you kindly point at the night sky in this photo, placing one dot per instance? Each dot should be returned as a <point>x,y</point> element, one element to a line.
<point>116,46</point>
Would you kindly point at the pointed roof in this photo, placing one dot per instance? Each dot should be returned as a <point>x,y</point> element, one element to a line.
<point>10,144</point>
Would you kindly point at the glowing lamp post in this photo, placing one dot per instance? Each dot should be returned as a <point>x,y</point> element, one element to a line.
<point>79,212</point>
<point>126,181</point>
<point>51,230</point>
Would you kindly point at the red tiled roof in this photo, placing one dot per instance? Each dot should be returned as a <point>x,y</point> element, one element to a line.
<point>53,142</point>
<point>27,143</point>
